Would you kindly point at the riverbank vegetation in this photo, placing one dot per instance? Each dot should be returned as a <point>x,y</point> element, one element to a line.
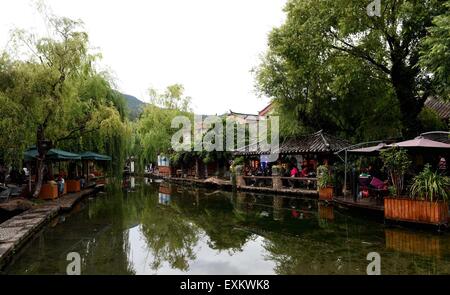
<point>52,93</point>
<point>329,67</point>
<point>332,66</point>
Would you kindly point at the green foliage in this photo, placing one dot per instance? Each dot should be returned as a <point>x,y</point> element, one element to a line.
<point>323,176</point>
<point>238,161</point>
<point>431,121</point>
<point>396,163</point>
<point>64,98</point>
<point>436,51</point>
<point>430,185</point>
<point>331,66</point>
<point>155,132</point>
<point>172,98</point>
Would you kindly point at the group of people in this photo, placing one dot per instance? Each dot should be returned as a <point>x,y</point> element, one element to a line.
<point>257,170</point>
<point>306,170</point>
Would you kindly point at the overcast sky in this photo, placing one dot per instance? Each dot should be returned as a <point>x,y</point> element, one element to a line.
<point>209,46</point>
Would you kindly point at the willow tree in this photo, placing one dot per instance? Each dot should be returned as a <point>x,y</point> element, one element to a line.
<point>334,52</point>
<point>154,131</point>
<point>41,91</point>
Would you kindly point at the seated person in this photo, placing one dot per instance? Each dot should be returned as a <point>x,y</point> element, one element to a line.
<point>305,172</point>
<point>294,172</point>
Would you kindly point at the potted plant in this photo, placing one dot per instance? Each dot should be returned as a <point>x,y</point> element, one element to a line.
<point>396,163</point>
<point>324,183</point>
<point>427,202</point>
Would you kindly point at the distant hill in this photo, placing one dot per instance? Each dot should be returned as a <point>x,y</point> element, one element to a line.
<point>134,105</point>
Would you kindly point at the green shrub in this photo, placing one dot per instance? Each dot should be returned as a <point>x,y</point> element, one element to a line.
<point>430,185</point>
<point>323,177</point>
<point>396,163</point>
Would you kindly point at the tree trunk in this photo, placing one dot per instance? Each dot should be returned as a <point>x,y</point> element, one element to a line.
<point>39,176</point>
<point>402,78</point>
<point>40,136</point>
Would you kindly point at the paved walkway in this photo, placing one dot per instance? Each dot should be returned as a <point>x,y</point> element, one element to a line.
<point>15,232</point>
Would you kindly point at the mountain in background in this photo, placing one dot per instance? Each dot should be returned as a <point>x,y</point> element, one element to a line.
<point>134,105</point>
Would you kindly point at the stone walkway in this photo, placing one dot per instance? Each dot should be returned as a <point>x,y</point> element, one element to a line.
<point>15,232</point>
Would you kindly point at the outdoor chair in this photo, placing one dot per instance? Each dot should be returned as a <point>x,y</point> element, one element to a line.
<point>378,188</point>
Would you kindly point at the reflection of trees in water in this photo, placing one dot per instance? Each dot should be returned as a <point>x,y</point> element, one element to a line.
<point>169,236</point>
<point>226,222</point>
<point>97,234</point>
<point>214,215</point>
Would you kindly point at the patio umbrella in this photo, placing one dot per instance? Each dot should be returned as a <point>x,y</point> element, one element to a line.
<point>421,142</point>
<point>368,150</point>
<point>94,157</point>
<point>52,155</point>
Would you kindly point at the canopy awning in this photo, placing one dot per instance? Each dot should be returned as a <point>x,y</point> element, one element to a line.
<point>368,150</point>
<point>94,157</point>
<point>53,155</point>
<point>421,142</point>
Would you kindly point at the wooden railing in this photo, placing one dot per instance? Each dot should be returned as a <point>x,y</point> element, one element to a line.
<point>286,182</point>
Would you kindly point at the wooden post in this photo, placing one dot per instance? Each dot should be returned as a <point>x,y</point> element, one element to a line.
<point>197,169</point>
<point>87,178</point>
<point>240,181</point>
<point>29,177</point>
<point>277,183</point>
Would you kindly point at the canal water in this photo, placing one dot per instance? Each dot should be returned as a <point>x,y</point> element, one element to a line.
<point>144,227</point>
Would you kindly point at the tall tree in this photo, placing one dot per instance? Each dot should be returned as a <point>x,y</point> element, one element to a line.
<point>154,129</point>
<point>436,52</point>
<point>172,98</point>
<point>309,58</point>
<point>51,90</point>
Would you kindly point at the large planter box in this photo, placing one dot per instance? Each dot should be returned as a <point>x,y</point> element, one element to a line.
<point>416,211</point>
<point>326,194</point>
<point>73,186</point>
<point>48,192</point>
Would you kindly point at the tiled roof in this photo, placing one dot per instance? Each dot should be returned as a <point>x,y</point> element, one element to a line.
<point>266,110</point>
<point>318,142</point>
<point>442,108</point>
<point>440,136</point>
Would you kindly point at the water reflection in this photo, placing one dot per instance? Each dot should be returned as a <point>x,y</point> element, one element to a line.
<point>167,229</point>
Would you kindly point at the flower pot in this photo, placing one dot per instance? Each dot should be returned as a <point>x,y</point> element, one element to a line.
<point>48,192</point>
<point>416,211</point>
<point>326,193</point>
<point>73,186</point>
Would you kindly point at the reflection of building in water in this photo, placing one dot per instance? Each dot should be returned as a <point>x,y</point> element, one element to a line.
<point>413,243</point>
<point>326,212</point>
<point>165,192</point>
<point>164,199</point>
<point>148,180</point>
<point>165,189</point>
<point>132,182</point>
